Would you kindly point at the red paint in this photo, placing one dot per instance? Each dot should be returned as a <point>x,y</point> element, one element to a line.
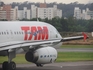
<point>33,30</point>
<point>46,32</point>
<point>25,29</point>
<point>85,36</point>
<point>39,33</point>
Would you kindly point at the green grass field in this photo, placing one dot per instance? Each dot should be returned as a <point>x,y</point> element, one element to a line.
<point>62,57</point>
<point>77,46</point>
<point>20,58</point>
<point>74,56</point>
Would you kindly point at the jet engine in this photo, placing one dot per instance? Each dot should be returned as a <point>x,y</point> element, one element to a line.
<point>42,55</point>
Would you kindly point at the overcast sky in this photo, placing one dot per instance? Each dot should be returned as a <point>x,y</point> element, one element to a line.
<point>48,1</point>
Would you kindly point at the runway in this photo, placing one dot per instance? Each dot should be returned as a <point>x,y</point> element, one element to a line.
<point>85,65</point>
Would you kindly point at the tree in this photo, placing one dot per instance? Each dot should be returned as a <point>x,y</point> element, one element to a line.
<point>68,25</point>
<point>90,26</point>
<point>64,24</point>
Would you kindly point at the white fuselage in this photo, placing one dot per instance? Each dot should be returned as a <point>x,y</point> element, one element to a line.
<point>17,32</point>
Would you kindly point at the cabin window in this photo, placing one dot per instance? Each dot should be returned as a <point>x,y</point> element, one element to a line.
<point>17,32</point>
<point>2,33</point>
<point>45,56</point>
<point>7,32</point>
<point>22,33</point>
<point>41,56</point>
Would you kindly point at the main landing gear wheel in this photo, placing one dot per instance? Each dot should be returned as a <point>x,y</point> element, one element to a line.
<point>9,66</point>
<point>5,65</point>
<point>12,66</point>
<point>39,65</point>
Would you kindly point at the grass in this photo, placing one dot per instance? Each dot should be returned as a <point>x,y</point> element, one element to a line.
<point>20,58</point>
<point>62,57</point>
<point>77,46</point>
<point>74,56</point>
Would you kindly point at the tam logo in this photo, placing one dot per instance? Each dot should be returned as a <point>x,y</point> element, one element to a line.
<point>39,33</point>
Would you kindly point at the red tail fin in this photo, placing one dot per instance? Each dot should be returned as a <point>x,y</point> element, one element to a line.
<point>85,36</point>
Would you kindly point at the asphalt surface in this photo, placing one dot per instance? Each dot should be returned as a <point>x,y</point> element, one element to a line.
<point>85,65</point>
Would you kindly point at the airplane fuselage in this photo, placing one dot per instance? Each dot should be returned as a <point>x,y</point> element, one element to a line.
<point>17,32</point>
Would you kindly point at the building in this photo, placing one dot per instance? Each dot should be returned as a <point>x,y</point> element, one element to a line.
<point>7,13</point>
<point>77,13</point>
<point>39,12</point>
<point>87,14</point>
<point>50,12</point>
<point>84,14</point>
<point>26,13</point>
<point>43,5</point>
<point>45,13</point>
<point>10,14</point>
<point>23,14</point>
<point>33,11</point>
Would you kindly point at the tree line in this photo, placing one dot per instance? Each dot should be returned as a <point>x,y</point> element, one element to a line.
<point>68,25</point>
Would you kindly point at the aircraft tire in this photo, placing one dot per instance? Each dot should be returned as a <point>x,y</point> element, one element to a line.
<point>39,65</point>
<point>12,66</point>
<point>5,65</point>
<point>9,66</point>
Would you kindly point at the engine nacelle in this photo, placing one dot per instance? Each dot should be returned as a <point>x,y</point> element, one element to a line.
<point>42,55</point>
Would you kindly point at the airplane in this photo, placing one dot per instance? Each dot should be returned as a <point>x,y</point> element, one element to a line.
<point>37,39</point>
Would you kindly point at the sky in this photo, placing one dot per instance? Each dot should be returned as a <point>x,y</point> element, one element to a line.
<point>49,1</point>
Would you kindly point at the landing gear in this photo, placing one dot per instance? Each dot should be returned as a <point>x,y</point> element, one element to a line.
<point>39,65</point>
<point>9,66</point>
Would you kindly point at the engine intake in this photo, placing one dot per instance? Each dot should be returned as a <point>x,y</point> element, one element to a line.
<point>42,55</point>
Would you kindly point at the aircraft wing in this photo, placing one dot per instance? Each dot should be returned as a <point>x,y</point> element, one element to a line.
<point>75,38</point>
<point>36,43</point>
<point>27,44</point>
